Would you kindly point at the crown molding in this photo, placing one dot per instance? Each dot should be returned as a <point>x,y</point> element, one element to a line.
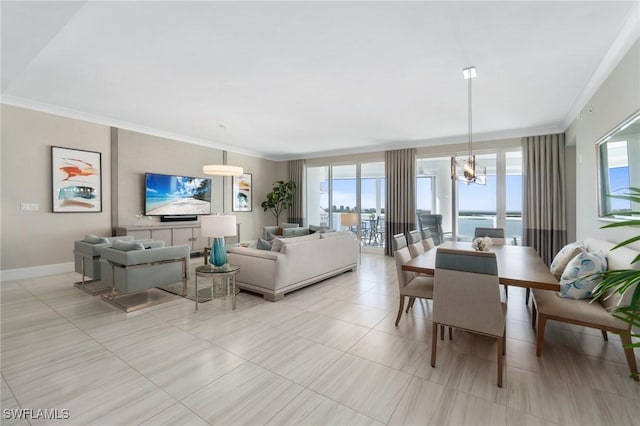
<point>112,122</point>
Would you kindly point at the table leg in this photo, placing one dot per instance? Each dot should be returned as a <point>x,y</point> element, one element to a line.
<point>233,290</point>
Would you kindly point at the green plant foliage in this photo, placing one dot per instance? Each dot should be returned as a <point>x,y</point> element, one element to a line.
<point>619,281</point>
<point>280,199</point>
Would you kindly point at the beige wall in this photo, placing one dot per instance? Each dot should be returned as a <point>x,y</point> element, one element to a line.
<point>615,100</point>
<point>35,238</point>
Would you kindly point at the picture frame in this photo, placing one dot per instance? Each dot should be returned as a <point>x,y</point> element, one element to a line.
<point>241,191</point>
<point>76,180</point>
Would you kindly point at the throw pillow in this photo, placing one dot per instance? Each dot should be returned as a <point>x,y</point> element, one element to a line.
<point>294,232</point>
<point>127,246</point>
<point>276,244</point>
<point>578,279</point>
<point>93,239</point>
<point>563,257</point>
<point>279,231</point>
<point>263,244</point>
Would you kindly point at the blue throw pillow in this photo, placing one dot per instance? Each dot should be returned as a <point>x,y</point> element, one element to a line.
<point>578,279</point>
<point>263,244</point>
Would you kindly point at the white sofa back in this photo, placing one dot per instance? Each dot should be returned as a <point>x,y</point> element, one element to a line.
<point>619,258</point>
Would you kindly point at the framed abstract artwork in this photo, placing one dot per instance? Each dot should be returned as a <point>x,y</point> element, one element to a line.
<point>76,180</point>
<point>242,193</point>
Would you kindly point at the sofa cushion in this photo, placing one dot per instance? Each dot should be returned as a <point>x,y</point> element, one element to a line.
<point>563,257</point>
<point>276,244</point>
<point>263,244</point>
<point>294,232</point>
<point>93,239</point>
<point>127,246</point>
<point>578,281</point>
<point>336,234</point>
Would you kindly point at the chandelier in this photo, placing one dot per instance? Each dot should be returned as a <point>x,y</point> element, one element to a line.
<point>469,166</point>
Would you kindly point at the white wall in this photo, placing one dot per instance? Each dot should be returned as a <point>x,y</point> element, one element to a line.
<point>36,238</point>
<point>615,100</point>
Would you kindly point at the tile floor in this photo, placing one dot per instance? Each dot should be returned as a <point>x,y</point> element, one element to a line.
<point>327,354</point>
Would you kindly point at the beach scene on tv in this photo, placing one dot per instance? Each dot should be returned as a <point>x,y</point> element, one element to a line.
<point>177,195</point>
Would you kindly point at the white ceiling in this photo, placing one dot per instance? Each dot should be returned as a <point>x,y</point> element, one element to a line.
<point>287,80</point>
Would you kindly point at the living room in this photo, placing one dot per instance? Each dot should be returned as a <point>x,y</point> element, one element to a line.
<point>37,250</point>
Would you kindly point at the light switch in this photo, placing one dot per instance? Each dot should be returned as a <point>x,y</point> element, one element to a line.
<point>30,206</point>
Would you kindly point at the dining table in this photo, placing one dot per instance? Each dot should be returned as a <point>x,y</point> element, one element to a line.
<point>519,266</point>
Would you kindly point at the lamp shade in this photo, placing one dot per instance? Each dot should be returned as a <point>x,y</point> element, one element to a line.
<point>222,170</point>
<point>349,219</point>
<point>218,226</point>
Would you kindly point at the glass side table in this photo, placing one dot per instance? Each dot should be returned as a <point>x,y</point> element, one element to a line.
<point>226,272</point>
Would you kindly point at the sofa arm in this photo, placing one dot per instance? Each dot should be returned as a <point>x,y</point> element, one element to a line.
<point>257,267</point>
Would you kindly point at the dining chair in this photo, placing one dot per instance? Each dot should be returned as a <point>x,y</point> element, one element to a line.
<point>414,242</point>
<point>427,240</point>
<point>498,239</point>
<point>496,234</point>
<point>410,284</point>
<point>466,296</point>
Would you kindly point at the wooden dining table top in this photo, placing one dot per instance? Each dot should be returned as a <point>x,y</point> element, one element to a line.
<point>517,265</point>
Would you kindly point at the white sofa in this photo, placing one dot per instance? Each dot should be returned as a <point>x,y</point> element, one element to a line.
<point>301,261</point>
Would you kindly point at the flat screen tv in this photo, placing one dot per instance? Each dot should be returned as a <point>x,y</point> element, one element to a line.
<point>170,195</point>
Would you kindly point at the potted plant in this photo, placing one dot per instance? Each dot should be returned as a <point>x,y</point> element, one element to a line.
<point>281,198</point>
<point>621,280</point>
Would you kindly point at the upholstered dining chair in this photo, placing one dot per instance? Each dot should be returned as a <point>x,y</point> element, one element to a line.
<point>427,240</point>
<point>433,222</point>
<point>496,235</point>
<point>410,284</point>
<point>414,242</point>
<point>498,239</point>
<point>466,296</point>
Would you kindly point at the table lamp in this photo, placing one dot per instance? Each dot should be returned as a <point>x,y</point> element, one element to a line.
<point>350,220</point>
<point>218,227</point>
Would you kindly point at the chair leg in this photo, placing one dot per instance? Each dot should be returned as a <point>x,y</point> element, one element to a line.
<point>400,310</point>
<point>410,304</point>
<point>434,343</point>
<point>504,342</point>
<point>605,336</point>
<point>526,296</point>
<point>442,332</point>
<point>628,353</point>
<point>500,360</point>
<point>534,315</point>
<point>450,333</point>
<point>542,322</point>
<point>506,291</point>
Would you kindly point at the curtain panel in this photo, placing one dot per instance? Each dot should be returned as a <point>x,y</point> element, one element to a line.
<point>544,223</point>
<point>400,206</point>
<point>296,174</point>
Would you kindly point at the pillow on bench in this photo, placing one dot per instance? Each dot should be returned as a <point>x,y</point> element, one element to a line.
<point>564,256</point>
<point>578,281</point>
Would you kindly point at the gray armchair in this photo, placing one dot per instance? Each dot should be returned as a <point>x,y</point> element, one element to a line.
<point>134,269</point>
<point>86,255</point>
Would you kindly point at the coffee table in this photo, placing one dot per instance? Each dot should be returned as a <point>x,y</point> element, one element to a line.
<point>226,272</point>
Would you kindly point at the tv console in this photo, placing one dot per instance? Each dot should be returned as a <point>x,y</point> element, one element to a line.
<point>172,235</point>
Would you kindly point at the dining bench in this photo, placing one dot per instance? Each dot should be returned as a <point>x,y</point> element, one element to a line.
<point>547,305</point>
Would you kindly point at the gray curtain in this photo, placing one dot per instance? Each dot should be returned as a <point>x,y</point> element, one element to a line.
<point>296,174</point>
<point>544,225</point>
<point>400,207</point>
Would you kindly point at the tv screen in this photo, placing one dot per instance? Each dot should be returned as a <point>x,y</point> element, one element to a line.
<point>176,195</point>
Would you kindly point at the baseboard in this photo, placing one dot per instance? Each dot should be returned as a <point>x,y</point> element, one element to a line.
<point>36,271</point>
